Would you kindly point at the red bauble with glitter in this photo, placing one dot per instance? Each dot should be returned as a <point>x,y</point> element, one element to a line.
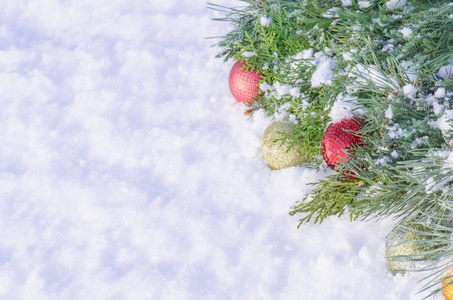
<point>339,137</point>
<point>244,84</point>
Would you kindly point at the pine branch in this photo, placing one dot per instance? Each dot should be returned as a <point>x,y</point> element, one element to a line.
<point>333,196</point>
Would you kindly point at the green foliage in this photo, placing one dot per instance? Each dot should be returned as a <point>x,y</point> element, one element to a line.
<point>308,133</point>
<point>384,61</point>
<point>330,197</point>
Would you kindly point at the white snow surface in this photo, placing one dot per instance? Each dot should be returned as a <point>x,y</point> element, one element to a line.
<point>410,91</point>
<point>445,72</point>
<point>129,172</point>
<point>264,21</point>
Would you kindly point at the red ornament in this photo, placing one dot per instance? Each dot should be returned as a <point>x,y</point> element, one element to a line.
<point>244,84</point>
<point>339,137</point>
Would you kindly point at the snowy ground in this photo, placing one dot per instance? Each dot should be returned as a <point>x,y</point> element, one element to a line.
<point>129,172</point>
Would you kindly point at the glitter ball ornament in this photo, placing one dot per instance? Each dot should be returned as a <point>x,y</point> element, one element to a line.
<point>244,84</point>
<point>276,155</point>
<point>404,242</point>
<point>337,139</point>
<point>447,291</point>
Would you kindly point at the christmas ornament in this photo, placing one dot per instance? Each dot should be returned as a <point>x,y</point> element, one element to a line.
<point>404,242</point>
<point>275,154</point>
<point>337,139</point>
<point>243,83</point>
<point>447,291</point>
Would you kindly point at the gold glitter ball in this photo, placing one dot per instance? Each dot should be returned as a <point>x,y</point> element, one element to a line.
<point>447,291</point>
<point>275,154</point>
<point>404,242</point>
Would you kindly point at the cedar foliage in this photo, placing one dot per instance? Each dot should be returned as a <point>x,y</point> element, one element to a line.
<point>395,66</point>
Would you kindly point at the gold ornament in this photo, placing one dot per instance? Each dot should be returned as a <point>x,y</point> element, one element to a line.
<point>402,243</point>
<point>275,154</point>
<point>447,291</point>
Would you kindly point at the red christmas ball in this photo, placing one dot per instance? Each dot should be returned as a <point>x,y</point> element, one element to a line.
<point>244,84</point>
<point>339,137</point>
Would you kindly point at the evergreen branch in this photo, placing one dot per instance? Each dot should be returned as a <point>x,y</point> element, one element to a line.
<point>392,79</point>
<point>330,197</point>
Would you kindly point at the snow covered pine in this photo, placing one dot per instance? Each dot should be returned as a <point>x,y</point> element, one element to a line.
<point>338,139</point>
<point>390,62</point>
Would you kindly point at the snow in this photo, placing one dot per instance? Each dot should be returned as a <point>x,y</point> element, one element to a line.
<point>389,113</point>
<point>264,21</point>
<point>395,4</point>
<point>346,2</point>
<point>331,13</point>
<point>248,53</point>
<point>440,93</point>
<point>129,172</point>
<point>323,73</point>
<point>419,141</point>
<point>395,131</point>
<point>444,122</point>
<point>406,32</point>
<point>305,54</point>
<point>410,91</point>
<point>389,47</point>
<point>282,89</point>
<point>394,154</point>
<point>449,160</point>
<point>295,92</point>
<point>347,56</point>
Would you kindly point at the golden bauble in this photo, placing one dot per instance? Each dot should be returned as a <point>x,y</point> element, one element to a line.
<point>404,242</point>
<point>448,291</point>
<point>275,154</point>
